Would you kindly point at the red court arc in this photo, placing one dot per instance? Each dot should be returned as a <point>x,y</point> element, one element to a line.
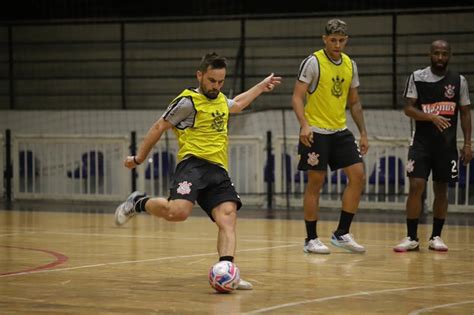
<point>60,259</point>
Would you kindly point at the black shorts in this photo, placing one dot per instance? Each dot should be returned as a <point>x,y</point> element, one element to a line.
<point>202,181</point>
<point>338,150</point>
<point>442,161</point>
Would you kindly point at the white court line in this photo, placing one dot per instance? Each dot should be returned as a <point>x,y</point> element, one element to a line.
<point>416,312</point>
<point>138,261</point>
<point>164,237</point>
<point>335,297</point>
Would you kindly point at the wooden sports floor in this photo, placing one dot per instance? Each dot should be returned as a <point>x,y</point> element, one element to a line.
<point>63,262</point>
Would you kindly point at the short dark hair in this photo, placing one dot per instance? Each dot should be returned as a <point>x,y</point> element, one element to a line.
<point>212,60</point>
<point>336,26</point>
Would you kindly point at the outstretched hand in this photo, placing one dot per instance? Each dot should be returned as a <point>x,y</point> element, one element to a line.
<point>270,82</point>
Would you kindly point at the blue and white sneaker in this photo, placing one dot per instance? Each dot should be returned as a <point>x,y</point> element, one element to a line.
<point>126,210</point>
<point>347,242</point>
<point>315,246</point>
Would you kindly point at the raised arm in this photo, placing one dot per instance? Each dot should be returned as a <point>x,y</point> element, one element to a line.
<point>244,99</point>
<point>297,101</point>
<point>151,138</point>
<point>357,114</point>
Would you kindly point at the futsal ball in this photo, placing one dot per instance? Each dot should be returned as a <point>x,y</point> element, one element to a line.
<point>224,276</point>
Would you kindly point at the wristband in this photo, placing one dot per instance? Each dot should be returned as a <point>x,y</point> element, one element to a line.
<point>135,160</point>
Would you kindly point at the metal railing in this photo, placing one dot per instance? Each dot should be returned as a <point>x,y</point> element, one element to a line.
<point>386,185</point>
<point>69,167</point>
<point>91,168</point>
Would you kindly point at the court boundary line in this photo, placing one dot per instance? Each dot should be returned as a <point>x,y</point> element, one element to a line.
<point>60,259</point>
<point>140,261</point>
<point>335,297</point>
<point>421,310</point>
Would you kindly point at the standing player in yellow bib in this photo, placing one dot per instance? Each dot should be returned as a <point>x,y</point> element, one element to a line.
<point>327,82</point>
<point>199,118</point>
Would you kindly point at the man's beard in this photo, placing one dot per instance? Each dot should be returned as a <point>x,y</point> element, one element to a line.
<point>438,67</point>
<point>211,95</point>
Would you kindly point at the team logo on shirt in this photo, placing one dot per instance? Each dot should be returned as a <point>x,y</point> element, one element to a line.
<point>410,166</point>
<point>449,91</point>
<point>218,123</point>
<point>313,159</point>
<point>184,188</point>
<point>337,86</point>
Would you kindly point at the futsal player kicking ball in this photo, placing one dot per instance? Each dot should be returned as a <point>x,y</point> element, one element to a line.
<point>199,118</point>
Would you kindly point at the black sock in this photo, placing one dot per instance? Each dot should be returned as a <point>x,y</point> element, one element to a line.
<point>140,204</point>
<point>437,227</point>
<point>311,230</point>
<point>412,228</point>
<point>226,258</point>
<point>345,221</point>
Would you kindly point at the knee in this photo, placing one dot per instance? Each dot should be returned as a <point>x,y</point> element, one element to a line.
<point>416,187</point>
<point>357,179</point>
<point>226,218</point>
<point>176,214</point>
<point>176,217</point>
<point>315,183</point>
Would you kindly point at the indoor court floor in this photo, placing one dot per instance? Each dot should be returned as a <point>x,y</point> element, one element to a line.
<point>78,262</point>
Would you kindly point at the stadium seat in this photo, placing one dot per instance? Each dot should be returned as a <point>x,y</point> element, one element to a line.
<point>382,176</point>
<point>168,164</point>
<point>269,169</point>
<point>25,162</point>
<point>343,178</point>
<point>92,164</point>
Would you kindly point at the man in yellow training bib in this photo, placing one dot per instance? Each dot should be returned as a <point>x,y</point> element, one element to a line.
<point>327,82</point>
<point>199,118</point>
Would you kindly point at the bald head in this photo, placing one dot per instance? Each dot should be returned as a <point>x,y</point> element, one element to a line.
<point>440,53</point>
<point>440,44</point>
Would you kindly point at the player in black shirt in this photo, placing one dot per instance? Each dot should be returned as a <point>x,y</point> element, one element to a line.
<point>434,96</point>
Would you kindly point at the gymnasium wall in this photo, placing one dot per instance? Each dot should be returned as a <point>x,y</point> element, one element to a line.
<point>142,65</point>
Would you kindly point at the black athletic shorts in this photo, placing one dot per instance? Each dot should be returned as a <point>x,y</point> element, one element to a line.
<point>205,182</point>
<point>441,160</point>
<point>338,150</point>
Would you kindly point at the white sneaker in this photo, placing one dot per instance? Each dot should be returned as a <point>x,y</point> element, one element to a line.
<point>315,246</point>
<point>347,242</point>
<point>126,210</point>
<point>244,285</point>
<point>436,243</point>
<point>406,245</point>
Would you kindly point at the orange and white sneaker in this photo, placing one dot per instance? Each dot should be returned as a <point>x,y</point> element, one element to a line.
<point>436,243</point>
<point>407,245</point>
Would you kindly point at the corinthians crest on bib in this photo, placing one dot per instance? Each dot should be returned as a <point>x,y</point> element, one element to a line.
<point>218,123</point>
<point>449,91</point>
<point>337,86</point>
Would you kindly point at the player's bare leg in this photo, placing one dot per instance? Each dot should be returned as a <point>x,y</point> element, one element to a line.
<point>440,209</point>
<point>350,203</point>
<point>225,216</point>
<point>413,207</point>
<point>312,243</point>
